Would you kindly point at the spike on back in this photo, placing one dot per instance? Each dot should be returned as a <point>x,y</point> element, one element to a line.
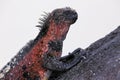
<point>43,20</point>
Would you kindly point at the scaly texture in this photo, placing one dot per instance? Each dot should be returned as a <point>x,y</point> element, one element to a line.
<point>33,61</point>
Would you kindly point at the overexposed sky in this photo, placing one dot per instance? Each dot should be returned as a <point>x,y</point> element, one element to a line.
<point>18,19</point>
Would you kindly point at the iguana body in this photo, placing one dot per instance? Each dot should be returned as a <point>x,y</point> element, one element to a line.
<point>32,62</point>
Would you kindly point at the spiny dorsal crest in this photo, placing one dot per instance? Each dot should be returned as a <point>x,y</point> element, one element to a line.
<point>43,20</point>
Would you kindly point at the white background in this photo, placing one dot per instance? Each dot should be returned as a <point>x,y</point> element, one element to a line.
<point>18,19</point>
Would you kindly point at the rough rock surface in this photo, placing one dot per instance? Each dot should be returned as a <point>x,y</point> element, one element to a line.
<point>102,61</point>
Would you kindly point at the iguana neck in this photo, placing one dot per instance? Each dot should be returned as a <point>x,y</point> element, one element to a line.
<point>55,35</point>
<point>56,31</point>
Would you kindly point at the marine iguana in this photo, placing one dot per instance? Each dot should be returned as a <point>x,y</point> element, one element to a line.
<point>41,56</point>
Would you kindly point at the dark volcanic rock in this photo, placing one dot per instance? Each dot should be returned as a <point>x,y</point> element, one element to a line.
<point>102,61</point>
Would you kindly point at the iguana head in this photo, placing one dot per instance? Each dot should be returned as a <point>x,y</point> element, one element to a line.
<point>58,22</point>
<point>64,15</point>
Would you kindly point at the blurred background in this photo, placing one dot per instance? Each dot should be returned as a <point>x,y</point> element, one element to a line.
<point>18,19</point>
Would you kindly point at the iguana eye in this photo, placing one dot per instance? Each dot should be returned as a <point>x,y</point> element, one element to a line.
<point>61,17</point>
